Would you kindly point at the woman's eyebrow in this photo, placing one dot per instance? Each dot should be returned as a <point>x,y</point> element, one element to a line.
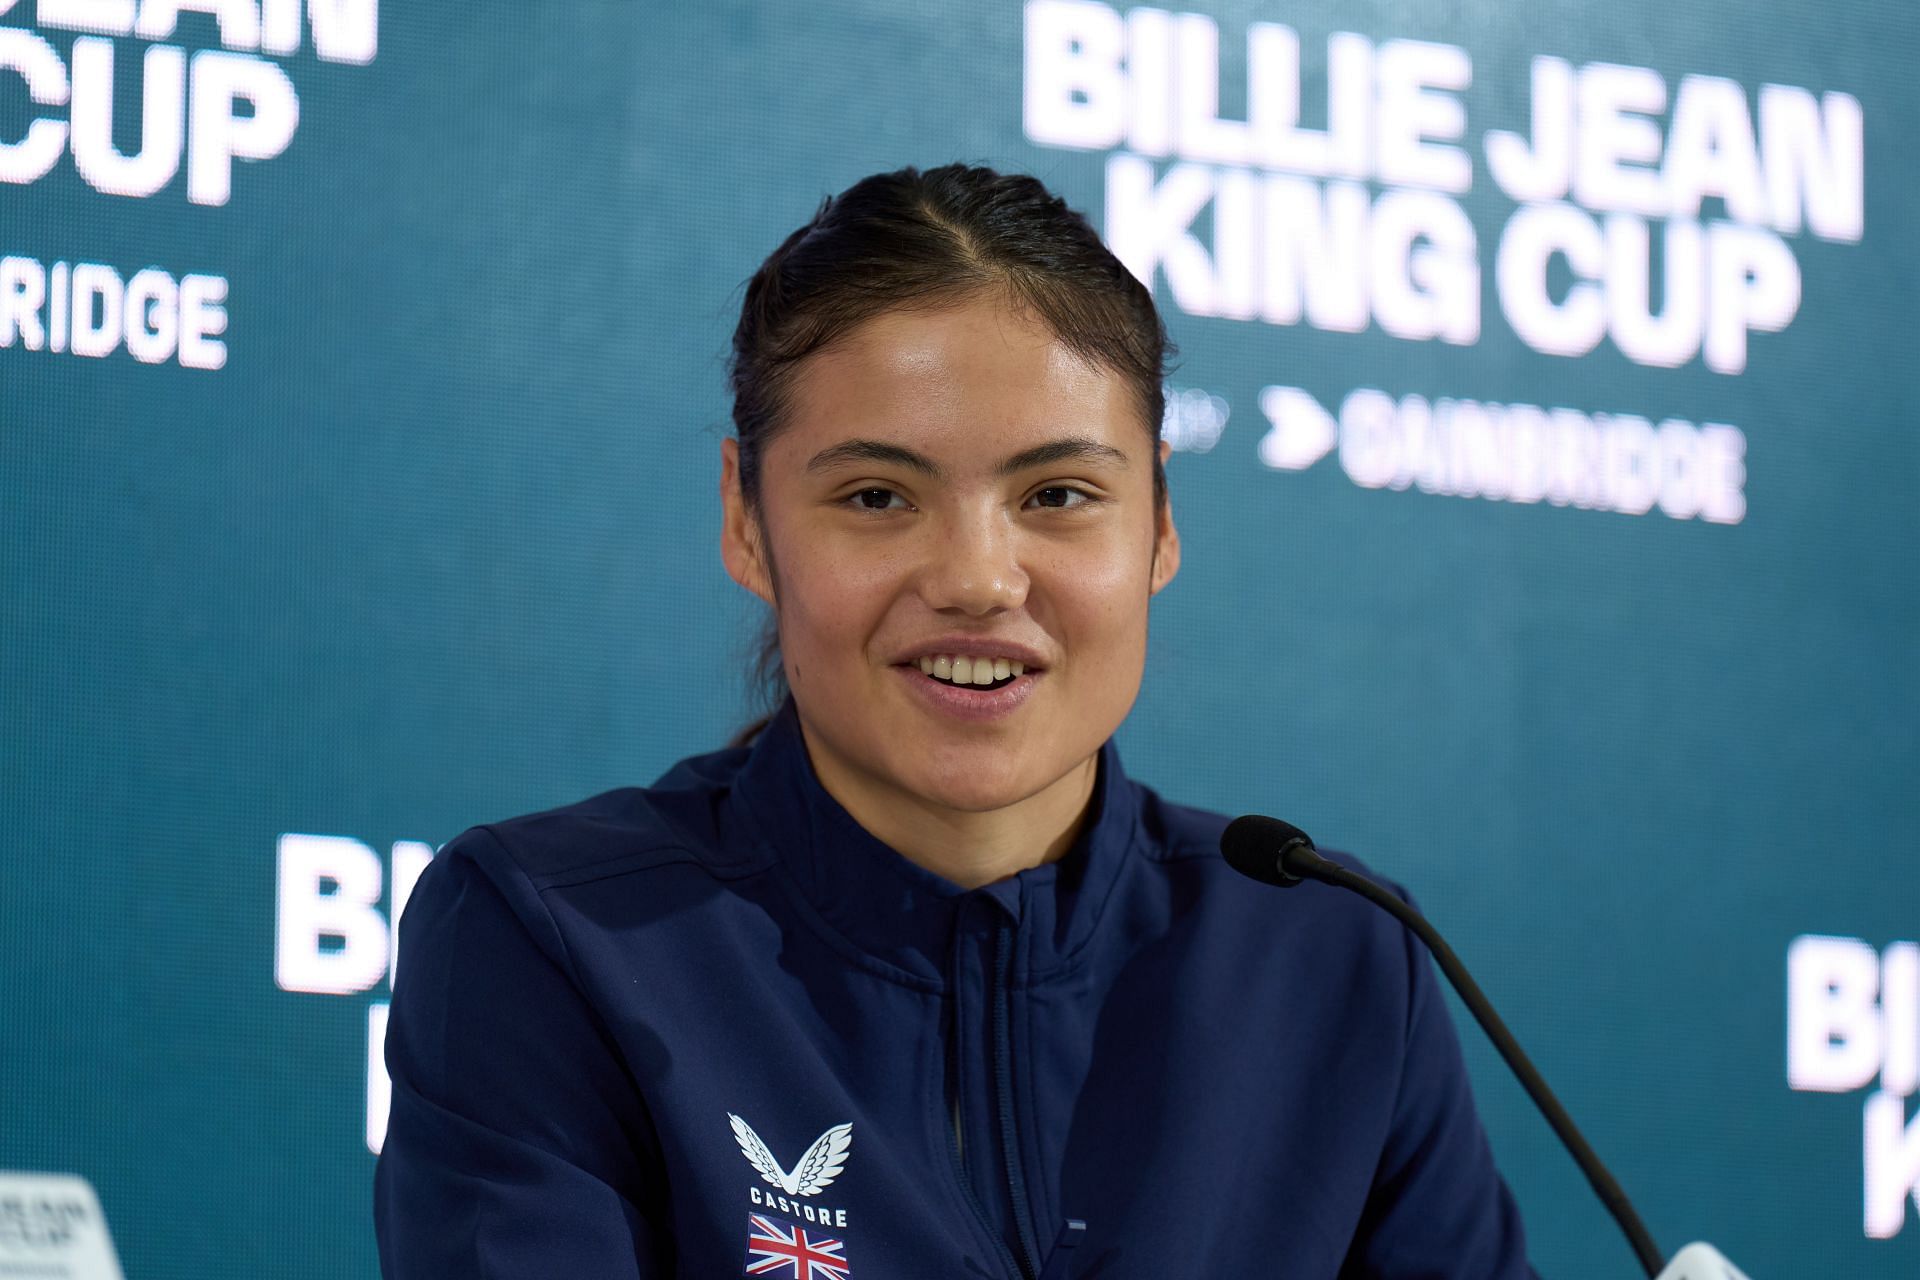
<point>1070,449</point>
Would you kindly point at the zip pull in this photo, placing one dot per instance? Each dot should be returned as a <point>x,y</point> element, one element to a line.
<point>1072,1232</point>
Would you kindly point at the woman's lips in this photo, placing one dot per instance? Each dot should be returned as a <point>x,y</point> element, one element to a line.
<point>967,702</point>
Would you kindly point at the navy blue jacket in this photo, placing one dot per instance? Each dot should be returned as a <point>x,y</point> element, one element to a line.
<point>713,1028</point>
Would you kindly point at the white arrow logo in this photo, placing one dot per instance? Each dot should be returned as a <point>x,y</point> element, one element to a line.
<point>820,1165</point>
<point>1302,432</point>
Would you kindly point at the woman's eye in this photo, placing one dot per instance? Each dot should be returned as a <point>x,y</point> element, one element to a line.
<point>1061,495</point>
<point>876,499</point>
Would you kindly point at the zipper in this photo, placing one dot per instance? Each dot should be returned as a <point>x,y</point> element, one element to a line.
<point>1003,1099</point>
<point>1007,1260</point>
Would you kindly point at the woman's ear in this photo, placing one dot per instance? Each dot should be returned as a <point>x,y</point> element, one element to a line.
<point>1166,538</point>
<point>740,546</point>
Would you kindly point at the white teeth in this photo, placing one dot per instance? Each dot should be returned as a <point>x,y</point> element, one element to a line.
<point>964,668</point>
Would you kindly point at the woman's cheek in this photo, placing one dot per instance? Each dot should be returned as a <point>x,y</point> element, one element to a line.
<point>1102,581</point>
<point>829,572</point>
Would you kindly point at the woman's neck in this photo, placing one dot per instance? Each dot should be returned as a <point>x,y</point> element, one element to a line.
<point>968,848</point>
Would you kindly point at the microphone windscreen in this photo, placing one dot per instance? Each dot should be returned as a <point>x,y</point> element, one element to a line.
<point>1252,847</point>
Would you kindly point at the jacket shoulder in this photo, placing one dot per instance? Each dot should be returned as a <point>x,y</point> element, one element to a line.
<point>1178,831</point>
<point>682,818</point>
<point>1175,831</point>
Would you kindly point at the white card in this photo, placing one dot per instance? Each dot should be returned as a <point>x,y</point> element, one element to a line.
<point>52,1228</point>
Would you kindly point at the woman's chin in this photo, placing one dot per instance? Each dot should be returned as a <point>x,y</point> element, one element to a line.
<point>971,786</point>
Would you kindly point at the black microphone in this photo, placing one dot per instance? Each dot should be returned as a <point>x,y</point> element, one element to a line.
<point>1279,853</point>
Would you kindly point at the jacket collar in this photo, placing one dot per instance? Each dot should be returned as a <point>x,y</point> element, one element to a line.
<point>901,914</point>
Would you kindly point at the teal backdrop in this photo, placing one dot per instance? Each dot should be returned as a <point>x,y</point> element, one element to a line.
<point>1549,523</point>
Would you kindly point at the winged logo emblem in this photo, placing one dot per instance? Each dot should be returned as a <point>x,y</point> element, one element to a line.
<point>816,1170</point>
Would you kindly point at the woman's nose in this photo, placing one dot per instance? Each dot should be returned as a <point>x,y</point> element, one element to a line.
<point>974,566</point>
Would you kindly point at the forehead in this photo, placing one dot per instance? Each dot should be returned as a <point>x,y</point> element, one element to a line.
<point>981,370</point>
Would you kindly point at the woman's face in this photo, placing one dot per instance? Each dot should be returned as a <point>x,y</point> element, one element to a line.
<point>955,483</point>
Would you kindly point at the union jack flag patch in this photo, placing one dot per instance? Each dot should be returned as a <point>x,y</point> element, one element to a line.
<point>779,1248</point>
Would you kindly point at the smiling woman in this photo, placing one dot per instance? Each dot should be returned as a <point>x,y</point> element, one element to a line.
<point>920,911</point>
<point>957,484</point>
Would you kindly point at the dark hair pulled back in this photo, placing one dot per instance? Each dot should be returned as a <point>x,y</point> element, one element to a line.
<point>926,239</point>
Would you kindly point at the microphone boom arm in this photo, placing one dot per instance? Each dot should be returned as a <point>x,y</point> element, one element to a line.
<point>1303,859</point>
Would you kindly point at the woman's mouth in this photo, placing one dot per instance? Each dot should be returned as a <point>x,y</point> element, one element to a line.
<point>969,687</point>
<point>972,671</point>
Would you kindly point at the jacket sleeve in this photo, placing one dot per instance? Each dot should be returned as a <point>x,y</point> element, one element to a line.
<point>517,1145</point>
<point>1438,1208</point>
